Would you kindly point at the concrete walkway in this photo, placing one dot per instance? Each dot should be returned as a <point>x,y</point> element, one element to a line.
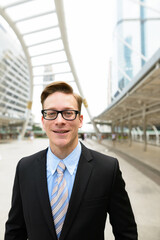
<point>151,157</point>
<point>144,193</point>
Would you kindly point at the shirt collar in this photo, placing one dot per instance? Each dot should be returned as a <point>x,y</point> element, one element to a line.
<point>71,161</point>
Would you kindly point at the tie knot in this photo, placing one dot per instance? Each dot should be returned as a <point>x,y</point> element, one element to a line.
<point>61,168</point>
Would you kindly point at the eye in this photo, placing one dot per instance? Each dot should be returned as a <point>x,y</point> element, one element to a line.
<point>68,113</point>
<point>51,114</point>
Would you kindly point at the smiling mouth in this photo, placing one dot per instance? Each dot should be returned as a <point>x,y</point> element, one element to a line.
<point>61,131</point>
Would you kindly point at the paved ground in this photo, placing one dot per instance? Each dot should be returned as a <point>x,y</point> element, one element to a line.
<point>144,192</point>
<point>150,157</point>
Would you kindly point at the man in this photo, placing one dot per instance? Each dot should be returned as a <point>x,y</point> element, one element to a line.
<point>66,191</point>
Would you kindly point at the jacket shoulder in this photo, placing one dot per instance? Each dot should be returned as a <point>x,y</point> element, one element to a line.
<point>99,158</point>
<point>29,160</point>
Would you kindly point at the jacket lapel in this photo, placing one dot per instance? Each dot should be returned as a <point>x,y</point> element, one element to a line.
<point>81,180</point>
<point>41,181</point>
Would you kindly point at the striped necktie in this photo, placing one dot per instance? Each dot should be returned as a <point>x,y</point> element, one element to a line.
<point>59,201</point>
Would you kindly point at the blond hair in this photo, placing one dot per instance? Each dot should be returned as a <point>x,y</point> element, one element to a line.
<point>63,87</point>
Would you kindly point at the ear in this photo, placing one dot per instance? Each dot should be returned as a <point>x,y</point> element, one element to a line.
<point>43,125</point>
<point>80,121</point>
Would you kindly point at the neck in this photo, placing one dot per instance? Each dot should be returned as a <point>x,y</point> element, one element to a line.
<point>63,152</point>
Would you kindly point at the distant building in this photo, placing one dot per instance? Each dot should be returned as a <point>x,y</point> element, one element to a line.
<point>48,75</point>
<point>136,39</point>
<point>14,85</point>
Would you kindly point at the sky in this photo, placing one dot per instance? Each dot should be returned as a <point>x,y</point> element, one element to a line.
<point>90,26</point>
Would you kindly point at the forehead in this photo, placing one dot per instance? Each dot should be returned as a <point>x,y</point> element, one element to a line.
<point>59,100</point>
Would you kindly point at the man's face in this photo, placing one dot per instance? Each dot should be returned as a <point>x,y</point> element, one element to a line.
<point>63,134</point>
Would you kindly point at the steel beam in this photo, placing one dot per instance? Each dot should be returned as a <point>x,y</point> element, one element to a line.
<point>61,19</point>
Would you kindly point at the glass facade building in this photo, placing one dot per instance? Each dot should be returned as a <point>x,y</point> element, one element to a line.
<point>136,39</point>
<point>14,84</point>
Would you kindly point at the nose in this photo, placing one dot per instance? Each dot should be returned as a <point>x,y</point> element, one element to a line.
<point>59,118</point>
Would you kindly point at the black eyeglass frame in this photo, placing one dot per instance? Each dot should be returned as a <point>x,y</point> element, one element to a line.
<point>61,112</point>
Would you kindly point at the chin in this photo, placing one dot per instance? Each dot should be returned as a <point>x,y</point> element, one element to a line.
<point>61,143</point>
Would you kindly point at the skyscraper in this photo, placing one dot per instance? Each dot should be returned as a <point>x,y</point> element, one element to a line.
<point>136,39</point>
<point>14,83</point>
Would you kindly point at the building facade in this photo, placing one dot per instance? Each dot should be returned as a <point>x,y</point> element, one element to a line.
<point>48,75</point>
<point>136,39</point>
<point>14,85</point>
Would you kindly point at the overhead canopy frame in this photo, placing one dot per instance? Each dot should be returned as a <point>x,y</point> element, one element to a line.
<point>43,44</point>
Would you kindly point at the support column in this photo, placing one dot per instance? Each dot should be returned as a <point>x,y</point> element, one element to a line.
<point>122,132</point>
<point>113,135</point>
<point>135,134</point>
<point>28,111</point>
<point>157,135</point>
<point>140,133</point>
<point>89,114</point>
<point>144,129</point>
<point>112,127</point>
<point>130,134</point>
<point>130,128</point>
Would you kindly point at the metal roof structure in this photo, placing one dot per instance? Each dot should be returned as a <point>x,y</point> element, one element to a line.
<point>139,103</point>
<point>40,28</point>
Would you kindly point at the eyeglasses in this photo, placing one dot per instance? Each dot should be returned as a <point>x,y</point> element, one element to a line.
<point>68,115</point>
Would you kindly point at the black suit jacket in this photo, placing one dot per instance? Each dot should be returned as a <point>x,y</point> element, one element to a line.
<point>98,189</point>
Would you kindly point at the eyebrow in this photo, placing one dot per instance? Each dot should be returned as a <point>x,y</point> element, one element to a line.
<point>66,108</point>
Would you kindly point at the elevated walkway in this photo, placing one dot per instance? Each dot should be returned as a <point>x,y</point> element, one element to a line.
<point>138,105</point>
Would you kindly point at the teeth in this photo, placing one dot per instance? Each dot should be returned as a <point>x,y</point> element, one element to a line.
<point>60,131</point>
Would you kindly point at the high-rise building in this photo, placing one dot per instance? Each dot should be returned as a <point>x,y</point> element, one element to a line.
<point>14,84</point>
<point>136,39</point>
<point>49,76</point>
